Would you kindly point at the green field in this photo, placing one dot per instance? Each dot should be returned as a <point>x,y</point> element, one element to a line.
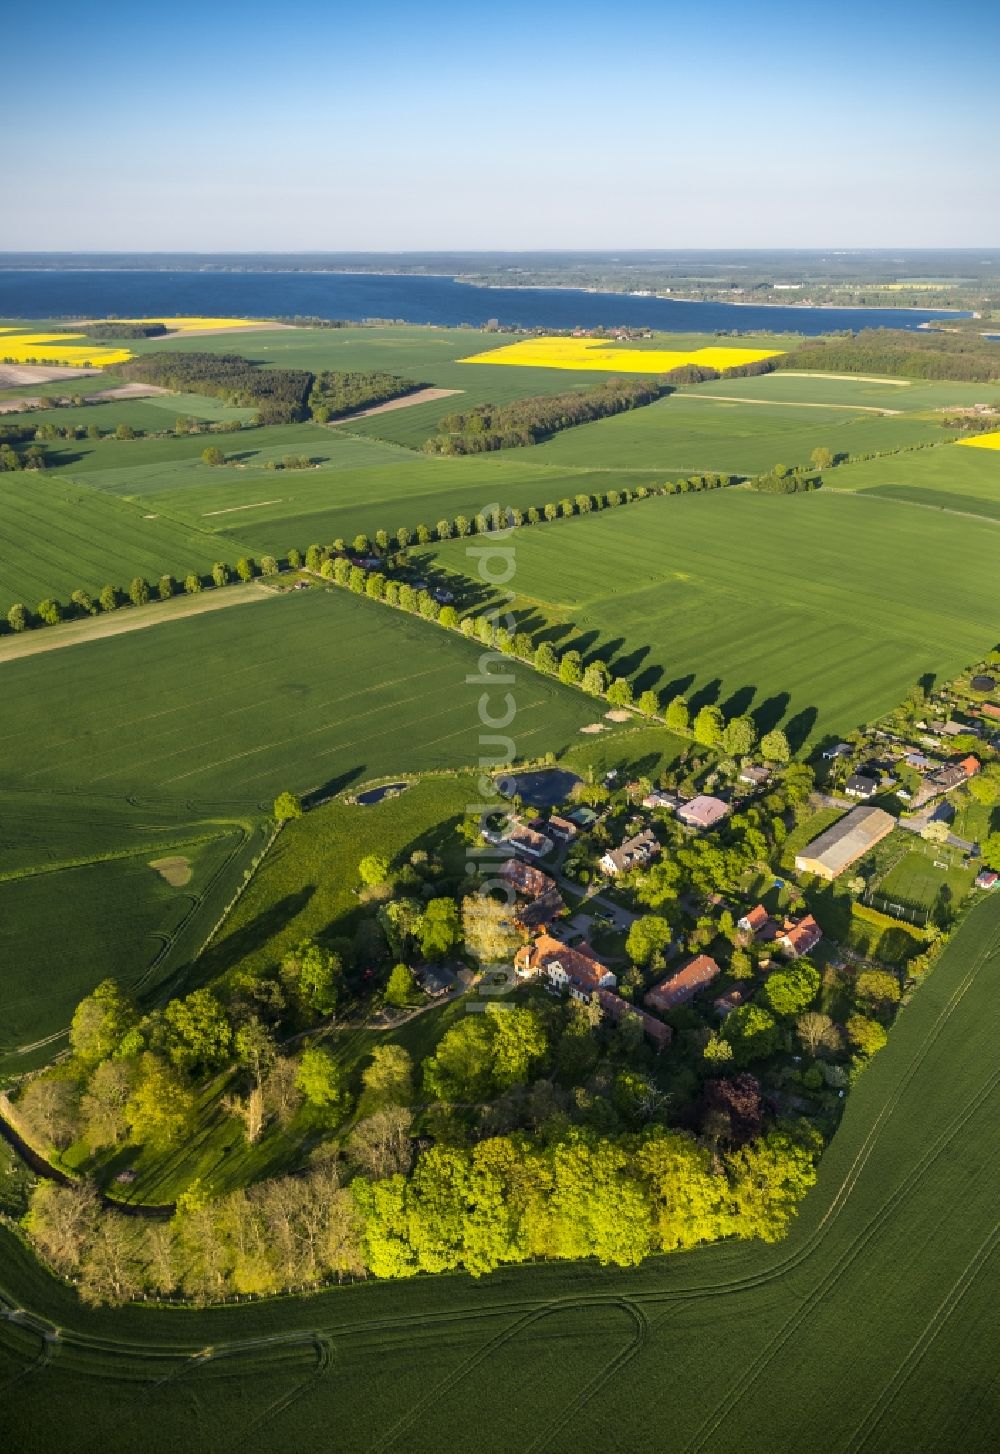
<point>57,536</point>
<point>819,609</point>
<point>311,691</point>
<point>357,485</point>
<point>79,900</point>
<point>368,474</point>
<point>565,1357</point>
<point>895,394</point>
<point>951,477</point>
<point>145,415</point>
<point>695,433</point>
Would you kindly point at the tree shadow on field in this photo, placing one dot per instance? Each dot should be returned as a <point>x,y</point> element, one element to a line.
<point>333,786</point>
<point>609,650</point>
<point>554,634</point>
<point>705,696</point>
<point>530,621</point>
<point>798,728</point>
<point>627,666</point>
<point>647,679</point>
<point>583,643</point>
<point>233,948</point>
<point>738,703</point>
<point>769,713</point>
<point>677,687</point>
<point>832,907</point>
<point>57,458</point>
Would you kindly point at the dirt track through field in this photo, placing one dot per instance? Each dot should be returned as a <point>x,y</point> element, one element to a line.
<point>157,613</point>
<point>421,396</point>
<point>789,403</point>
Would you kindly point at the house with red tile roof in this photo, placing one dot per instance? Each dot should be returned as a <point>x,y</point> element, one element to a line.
<point>524,879</point>
<point>798,936</point>
<point>577,972</point>
<point>544,900</point>
<point>754,925</point>
<point>678,988</point>
<point>616,1009</point>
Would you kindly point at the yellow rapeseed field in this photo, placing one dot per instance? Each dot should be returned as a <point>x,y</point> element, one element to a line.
<point>983,441</point>
<point>196,325</point>
<point>593,353</point>
<point>59,349</point>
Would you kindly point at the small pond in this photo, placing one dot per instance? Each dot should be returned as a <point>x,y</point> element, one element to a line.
<point>546,788</point>
<point>376,795</point>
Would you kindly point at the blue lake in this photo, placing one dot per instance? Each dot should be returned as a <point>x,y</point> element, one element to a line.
<point>44,293</point>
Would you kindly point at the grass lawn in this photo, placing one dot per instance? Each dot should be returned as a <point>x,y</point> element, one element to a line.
<point>312,691</point>
<point>817,610</point>
<point>306,887</point>
<point>696,433</point>
<point>635,751</point>
<point>913,1169</point>
<point>917,883</point>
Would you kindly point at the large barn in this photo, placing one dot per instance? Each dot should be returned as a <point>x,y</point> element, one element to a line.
<point>844,843</point>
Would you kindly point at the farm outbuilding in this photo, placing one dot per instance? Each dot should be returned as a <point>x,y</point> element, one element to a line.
<point>844,843</point>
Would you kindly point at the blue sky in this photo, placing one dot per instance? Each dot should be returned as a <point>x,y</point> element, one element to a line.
<point>438,125</point>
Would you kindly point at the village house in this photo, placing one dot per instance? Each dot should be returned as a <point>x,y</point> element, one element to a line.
<point>660,798</point>
<point>842,749</point>
<point>562,829</point>
<point>525,840</point>
<point>684,985</point>
<point>919,761</point>
<point>616,1009</point>
<point>634,853</point>
<point>577,972</point>
<point>724,1005</point>
<point>860,786</point>
<point>545,902</point>
<point>703,812</point>
<point>436,980</point>
<point>987,879</point>
<point>755,924</point>
<point>990,709</point>
<point>756,775</point>
<point>944,779</point>
<point>798,936</point>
